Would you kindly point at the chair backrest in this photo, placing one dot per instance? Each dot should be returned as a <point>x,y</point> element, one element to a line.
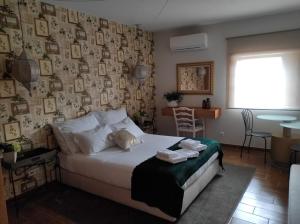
<point>248,120</point>
<point>184,118</point>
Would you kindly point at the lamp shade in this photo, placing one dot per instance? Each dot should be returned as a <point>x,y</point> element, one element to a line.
<point>140,72</point>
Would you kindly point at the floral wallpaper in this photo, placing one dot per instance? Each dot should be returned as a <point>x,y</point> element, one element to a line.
<point>85,64</point>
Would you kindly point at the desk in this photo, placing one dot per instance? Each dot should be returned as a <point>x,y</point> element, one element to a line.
<point>281,118</point>
<point>212,113</point>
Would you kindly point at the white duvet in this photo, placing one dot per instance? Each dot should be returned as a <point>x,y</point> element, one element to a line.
<point>115,166</point>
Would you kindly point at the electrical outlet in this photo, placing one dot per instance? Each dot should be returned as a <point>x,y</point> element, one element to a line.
<point>222,133</point>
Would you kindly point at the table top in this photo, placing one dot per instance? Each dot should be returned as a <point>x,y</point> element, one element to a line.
<point>292,125</point>
<point>272,117</point>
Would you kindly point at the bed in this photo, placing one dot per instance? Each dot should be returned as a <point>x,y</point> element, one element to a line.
<point>108,173</point>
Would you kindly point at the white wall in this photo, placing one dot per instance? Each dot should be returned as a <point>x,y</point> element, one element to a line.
<point>230,121</point>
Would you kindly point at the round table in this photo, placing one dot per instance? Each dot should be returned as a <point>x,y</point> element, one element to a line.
<point>280,152</point>
<point>286,119</point>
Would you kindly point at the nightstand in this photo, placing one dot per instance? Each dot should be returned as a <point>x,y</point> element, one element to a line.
<point>37,157</point>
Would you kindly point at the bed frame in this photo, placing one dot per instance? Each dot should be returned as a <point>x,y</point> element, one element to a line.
<point>123,195</point>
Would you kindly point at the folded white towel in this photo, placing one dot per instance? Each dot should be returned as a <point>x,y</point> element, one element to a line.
<point>178,159</point>
<point>188,152</point>
<point>199,147</point>
<point>166,153</point>
<point>190,143</point>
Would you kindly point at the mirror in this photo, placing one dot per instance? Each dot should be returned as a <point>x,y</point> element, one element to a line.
<point>195,78</point>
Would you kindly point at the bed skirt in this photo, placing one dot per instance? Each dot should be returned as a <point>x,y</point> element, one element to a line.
<point>123,195</point>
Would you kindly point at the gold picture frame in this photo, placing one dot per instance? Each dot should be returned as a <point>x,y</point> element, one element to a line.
<point>195,78</point>
<point>122,82</point>
<point>48,9</point>
<point>120,56</point>
<point>7,88</point>
<point>104,23</point>
<point>12,131</point>
<point>9,21</point>
<point>20,108</point>
<point>4,43</point>
<point>79,85</point>
<point>99,38</point>
<point>138,94</point>
<point>41,27</point>
<point>76,51</point>
<point>46,67</point>
<point>56,85</point>
<point>49,105</point>
<point>72,16</point>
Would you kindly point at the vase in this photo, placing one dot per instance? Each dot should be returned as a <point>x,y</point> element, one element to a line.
<point>173,103</point>
<point>10,157</point>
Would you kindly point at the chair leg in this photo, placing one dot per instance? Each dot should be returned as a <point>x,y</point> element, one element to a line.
<point>249,143</point>
<point>245,137</point>
<point>265,150</point>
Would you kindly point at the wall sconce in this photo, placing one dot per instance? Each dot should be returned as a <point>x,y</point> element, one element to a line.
<point>140,72</point>
<point>25,70</point>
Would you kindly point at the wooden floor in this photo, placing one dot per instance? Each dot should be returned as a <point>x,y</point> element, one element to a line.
<point>265,200</point>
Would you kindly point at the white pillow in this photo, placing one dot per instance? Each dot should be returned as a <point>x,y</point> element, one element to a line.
<point>111,116</point>
<point>128,125</point>
<point>65,129</point>
<point>93,141</point>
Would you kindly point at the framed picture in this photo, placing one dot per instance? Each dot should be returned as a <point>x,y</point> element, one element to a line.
<point>119,28</point>
<point>195,78</point>
<point>7,88</point>
<point>80,34</point>
<point>104,23</point>
<point>48,9</point>
<point>9,21</point>
<point>41,27</point>
<point>72,16</point>
<point>122,82</point>
<point>20,108</point>
<point>49,105</point>
<point>75,51</point>
<point>86,100</point>
<point>102,69</point>
<point>99,38</point>
<point>78,85</point>
<point>105,53</point>
<point>83,68</point>
<point>51,142</point>
<point>104,98</point>
<point>55,85</point>
<point>12,130</point>
<point>46,67</point>
<point>4,43</point>
<point>138,94</point>
<point>51,48</point>
<point>120,56</point>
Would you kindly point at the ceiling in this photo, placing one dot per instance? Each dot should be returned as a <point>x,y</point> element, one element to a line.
<point>155,15</point>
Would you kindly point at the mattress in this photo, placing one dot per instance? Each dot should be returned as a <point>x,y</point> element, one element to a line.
<point>115,166</point>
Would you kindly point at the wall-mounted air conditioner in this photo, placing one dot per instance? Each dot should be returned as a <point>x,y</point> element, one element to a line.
<point>191,42</point>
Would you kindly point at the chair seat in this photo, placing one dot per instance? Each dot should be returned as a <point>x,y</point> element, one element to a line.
<point>261,134</point>
<point>295,147</point>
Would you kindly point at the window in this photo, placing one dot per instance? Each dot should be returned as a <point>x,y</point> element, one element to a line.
<point>262,76</point>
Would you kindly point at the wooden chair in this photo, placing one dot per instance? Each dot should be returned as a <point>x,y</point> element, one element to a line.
<point>185,121</point>
<point>248,122</point>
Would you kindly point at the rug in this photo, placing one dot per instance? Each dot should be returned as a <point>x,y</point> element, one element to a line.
<point>214,205</point>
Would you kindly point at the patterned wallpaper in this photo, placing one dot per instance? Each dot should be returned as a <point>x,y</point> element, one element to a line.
<point>85,64</point>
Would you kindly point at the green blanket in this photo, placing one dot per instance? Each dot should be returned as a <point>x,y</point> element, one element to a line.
<point>158,183</point>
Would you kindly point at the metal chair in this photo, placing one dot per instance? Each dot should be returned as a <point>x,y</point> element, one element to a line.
<point>185,121</point>
<point>294,150</point>
<point>248,122</point>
